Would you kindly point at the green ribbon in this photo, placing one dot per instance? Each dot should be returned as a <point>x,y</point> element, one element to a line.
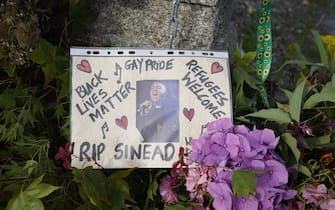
<point>264,48</point>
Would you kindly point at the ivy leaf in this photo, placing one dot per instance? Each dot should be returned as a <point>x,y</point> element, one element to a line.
<point>244,182</point>
<point>295,101</point>
<point>276,115</point>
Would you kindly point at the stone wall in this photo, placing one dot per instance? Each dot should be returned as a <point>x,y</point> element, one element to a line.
<point>205,24</point>
<point>202,24</point>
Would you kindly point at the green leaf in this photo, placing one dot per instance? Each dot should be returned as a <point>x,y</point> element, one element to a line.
<point>317,98</point>
<point>118,189</point>
<point>305,170</point>
<point>292,143</point>
<point>93,185</point>
<point>36,204</point>
<point>44,53</point>
<point>41,190</point>
<point>276,115</point>
<point>37,107</point>
<point>153,184</point>
<point>321,47</point>
<point>27,117</point>
<point>239,97</point>
<point>327,94</point>
<point>249,57</point>
<point>23,201</point>
<point>36,181</point>
<point>8,68</point>
<point>49,72</point>
<point>297,53</point>
<point>175,207</point>
<point>295,101</point>
<point>47,55</point>
<point>59,112</point>
<point>243,76</point>
<point>121,174</point>
<point>244,182</point>
<point>301,62</point>
<point>18,202</point>
<point>320,142</point>
<point>7,100</point>
<point>287,93</point>
<point>65,86</point>
<point>30,166</point>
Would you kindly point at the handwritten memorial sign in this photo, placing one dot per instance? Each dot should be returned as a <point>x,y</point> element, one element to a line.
<point>135,108</point>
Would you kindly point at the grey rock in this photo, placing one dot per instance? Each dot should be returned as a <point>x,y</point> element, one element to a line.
<point>202,24</point>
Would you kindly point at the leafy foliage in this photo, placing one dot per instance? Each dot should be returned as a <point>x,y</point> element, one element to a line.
<point>29,199</point>
<point>34,116</point>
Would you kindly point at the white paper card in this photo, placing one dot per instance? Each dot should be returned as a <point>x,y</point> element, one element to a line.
<point>136,107</point>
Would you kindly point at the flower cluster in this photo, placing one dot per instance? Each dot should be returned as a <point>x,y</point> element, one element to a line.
<point>319,196</point>
<point>64,154</point>
<point>222,151</point>
<point>329,42</point>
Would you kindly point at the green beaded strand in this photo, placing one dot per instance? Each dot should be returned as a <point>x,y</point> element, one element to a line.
<point>264,48</point>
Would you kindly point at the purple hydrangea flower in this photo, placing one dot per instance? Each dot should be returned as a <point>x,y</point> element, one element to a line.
<point>246,203</point>
<point>226,147</point>
<point>222,195</point>
<point>262,140</point>
<point>276,173</point>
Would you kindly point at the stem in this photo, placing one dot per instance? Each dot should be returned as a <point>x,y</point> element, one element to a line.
<point>315,116</point>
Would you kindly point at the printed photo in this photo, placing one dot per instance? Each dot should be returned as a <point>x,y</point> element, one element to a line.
<point>157,110</point>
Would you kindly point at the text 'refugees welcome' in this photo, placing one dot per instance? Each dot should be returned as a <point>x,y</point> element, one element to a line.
<point>210,95</point>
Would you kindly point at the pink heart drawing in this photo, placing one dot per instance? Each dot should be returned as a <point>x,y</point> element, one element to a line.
<point>216,68</point>
<point>188,113</point>
<point>123,122</point>
<point>84,66</point>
